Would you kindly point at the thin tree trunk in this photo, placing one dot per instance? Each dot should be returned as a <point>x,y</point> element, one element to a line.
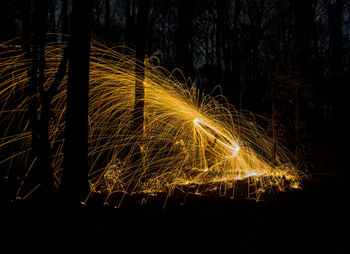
<point>303,28</point>
<point>25,12</point>
<point>107,21</point>
<point>273,122</point>
<point>75,175</point>
<point>141,47</point>
<point>336,75</point>
<point>184,38</point>
<point>52,26</point>
<point>129,21</point>
<point>243,85</point>
<point>43,174</point>
<point>64,17</point>
<point>219,28</point>
<point>226,39</point>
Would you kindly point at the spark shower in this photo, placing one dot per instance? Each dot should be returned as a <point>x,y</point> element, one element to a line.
<point>188,138</point>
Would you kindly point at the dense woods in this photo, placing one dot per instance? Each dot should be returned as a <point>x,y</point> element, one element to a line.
<point>284,63</point>
<point>287,61</point>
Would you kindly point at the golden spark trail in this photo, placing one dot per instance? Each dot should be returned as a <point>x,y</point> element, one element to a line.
<point>188,139</point>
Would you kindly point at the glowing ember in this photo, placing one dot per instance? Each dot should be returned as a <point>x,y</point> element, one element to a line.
<point>187,138</point>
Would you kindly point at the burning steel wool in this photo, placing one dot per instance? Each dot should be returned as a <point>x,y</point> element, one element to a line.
<point>188,138</point>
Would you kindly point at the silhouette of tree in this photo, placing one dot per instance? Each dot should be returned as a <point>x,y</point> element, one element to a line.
<point>184,38</point>
<point>75,175</point>
<point>303,31</point>
<point>141,47</point>
<point>141,36</point>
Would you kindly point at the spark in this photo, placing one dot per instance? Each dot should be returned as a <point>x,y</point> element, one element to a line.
<point>232,146</point>
<point>188,139</point>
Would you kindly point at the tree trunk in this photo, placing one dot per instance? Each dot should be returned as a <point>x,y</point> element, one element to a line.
<point>141,46</point>
<point>243,85</point>
<point>273,122</point>
<point>129,22</point>
<point>138,113</point>
<point>226,39</point>
<point>219,29</point>
<point>52,26</point>
<point>25,12</point>
<point>75,175</point>
<point>64,17</point>
<point>336,76</point>
<point>26,25</point>
<point>107,34</point>
<point>40,28</point>
<point>303,28</point>
<point>184,38</point>
<point>43,172</point>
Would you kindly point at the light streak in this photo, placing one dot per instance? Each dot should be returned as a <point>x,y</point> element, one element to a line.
<point>214,133</point>
<point>188,139</point>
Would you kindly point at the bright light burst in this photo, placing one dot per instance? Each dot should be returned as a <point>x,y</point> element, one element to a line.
<point>188,138</point>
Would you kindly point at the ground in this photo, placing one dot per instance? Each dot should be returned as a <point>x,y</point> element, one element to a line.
<point>311,220</point>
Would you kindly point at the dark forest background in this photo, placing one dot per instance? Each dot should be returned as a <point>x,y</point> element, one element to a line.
<point>286,60</point>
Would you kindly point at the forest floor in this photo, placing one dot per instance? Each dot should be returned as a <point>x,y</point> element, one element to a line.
<point>311,220</point>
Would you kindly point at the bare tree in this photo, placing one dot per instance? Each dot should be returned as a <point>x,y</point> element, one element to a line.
<point>107,21</point>
<point>184,37</point>
<point>303,28</point>
<point>75,176</point>
<point>141,47</point>
<point>64,17</point>
<point>336,70</point>
<point>130,7</point>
